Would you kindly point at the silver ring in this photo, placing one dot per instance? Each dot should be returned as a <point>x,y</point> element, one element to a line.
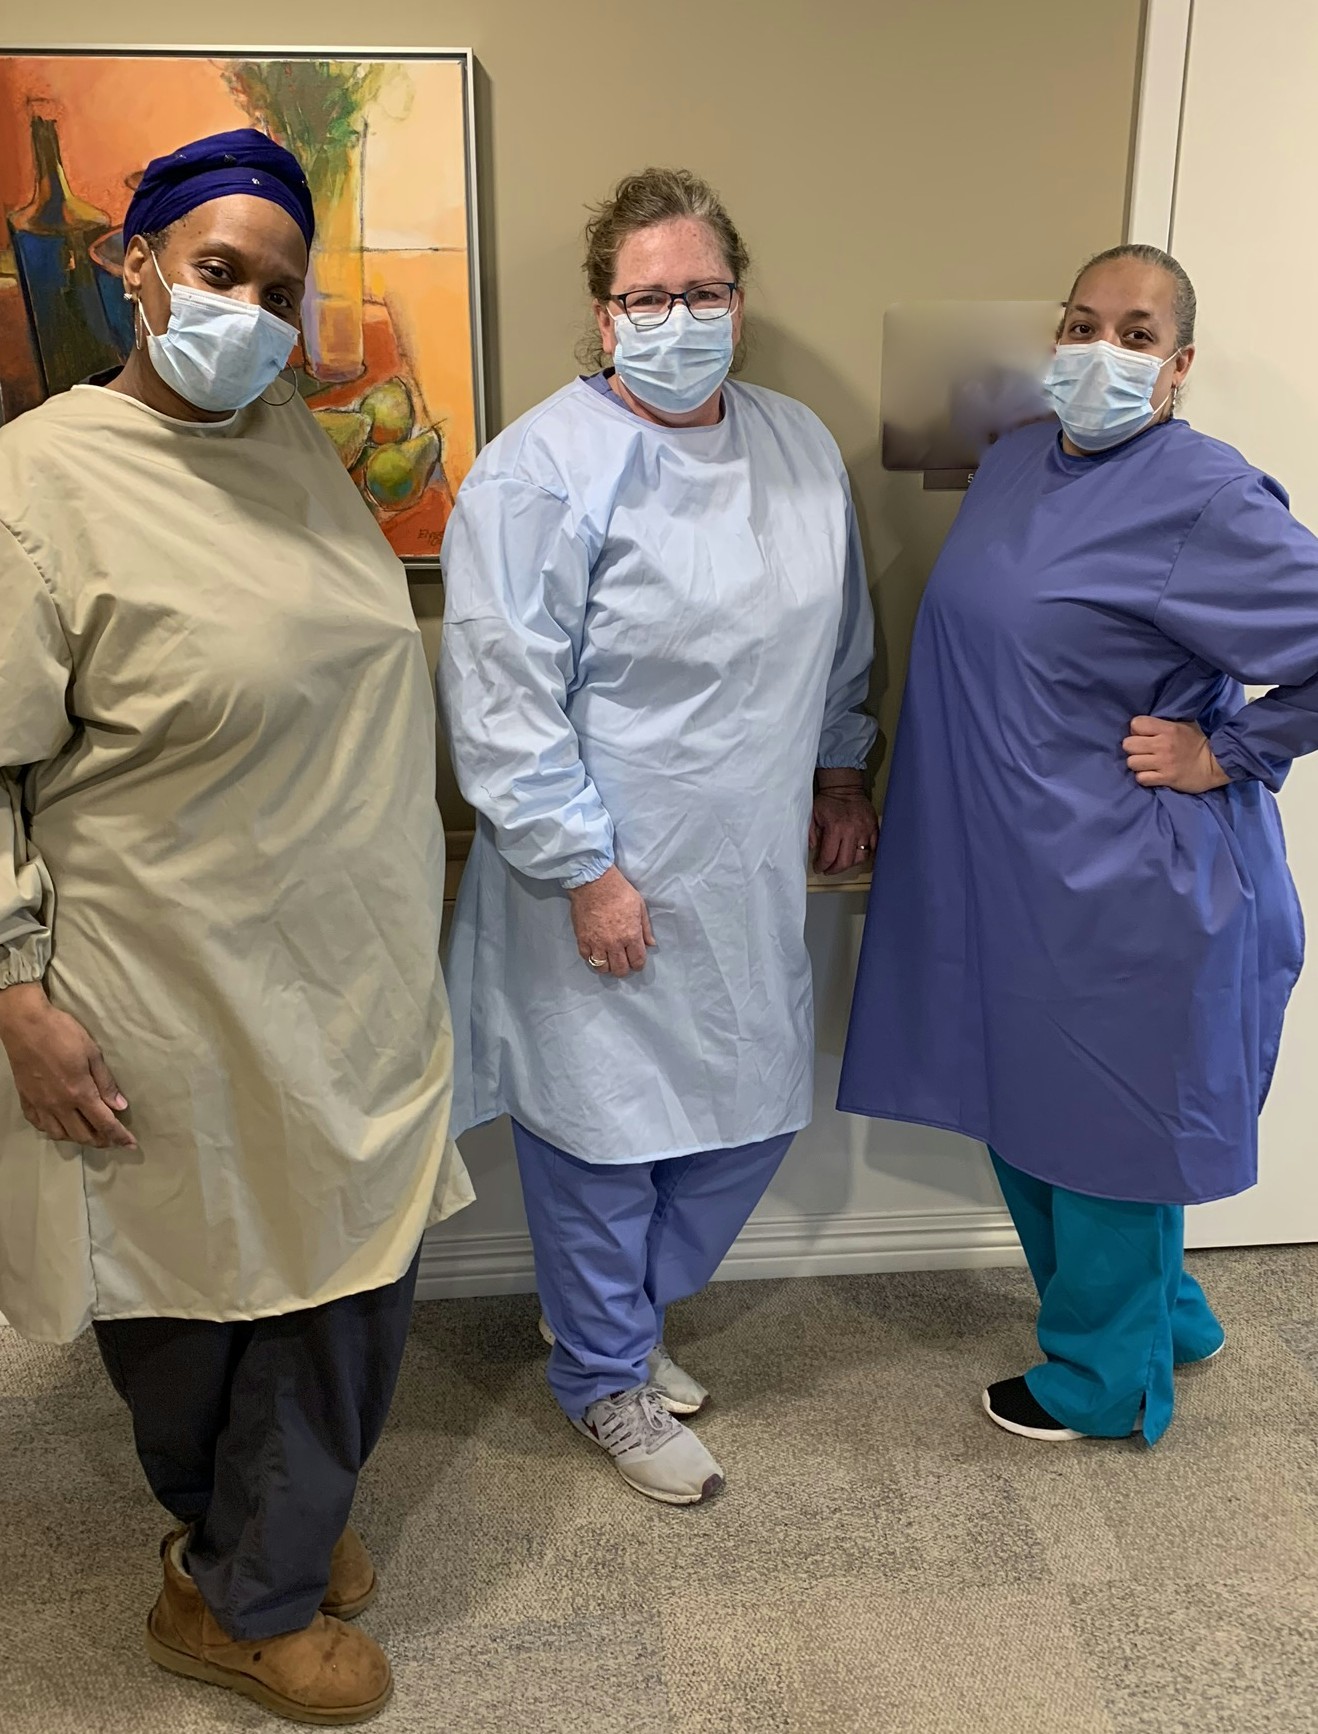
<point>862,848</point>
<point>596,962</point>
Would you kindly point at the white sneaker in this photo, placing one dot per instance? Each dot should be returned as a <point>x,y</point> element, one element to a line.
<point>1202,1360</point>
<point>652,1452</point>
<point>679,1393</point>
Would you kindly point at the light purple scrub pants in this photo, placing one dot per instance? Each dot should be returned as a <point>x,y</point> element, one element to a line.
<point>616,1243</point>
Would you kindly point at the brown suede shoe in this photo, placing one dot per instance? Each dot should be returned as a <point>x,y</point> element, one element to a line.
<point>329,1674</point>
<point>353,1583</point>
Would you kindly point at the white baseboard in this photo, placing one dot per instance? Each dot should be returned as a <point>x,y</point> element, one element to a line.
<point>454,1265</point>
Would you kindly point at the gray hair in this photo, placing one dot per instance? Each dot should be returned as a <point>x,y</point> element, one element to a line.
<point>1184,303</point>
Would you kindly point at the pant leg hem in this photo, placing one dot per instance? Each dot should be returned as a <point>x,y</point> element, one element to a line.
<point>1037,1375</point>
<point>278,1623</point>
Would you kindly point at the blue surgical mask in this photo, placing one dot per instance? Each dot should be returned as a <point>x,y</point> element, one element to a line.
<point>676,366</point>
<point>216,352</point>
<point>1103,394</point>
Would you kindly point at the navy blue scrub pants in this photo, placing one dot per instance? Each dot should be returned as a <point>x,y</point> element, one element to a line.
<point>1117,1308</point>
<point>254,1433</point>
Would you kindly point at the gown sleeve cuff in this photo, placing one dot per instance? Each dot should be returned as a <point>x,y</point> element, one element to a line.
<point>1241,765</point>
<point>24,963</point>
<point>588,871</point>
<point>845,742</point>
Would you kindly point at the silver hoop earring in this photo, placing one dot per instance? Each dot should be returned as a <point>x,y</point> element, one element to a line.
<point>279,403</point>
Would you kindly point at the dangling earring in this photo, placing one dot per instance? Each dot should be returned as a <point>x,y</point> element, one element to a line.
<point>291,371</point>
<point>137,318</point>
<point>278,403</point>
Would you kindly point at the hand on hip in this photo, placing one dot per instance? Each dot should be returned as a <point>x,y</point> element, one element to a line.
<point>1172,755</point>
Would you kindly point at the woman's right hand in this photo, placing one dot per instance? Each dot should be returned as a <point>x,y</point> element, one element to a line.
<point>64,1084</point>
<point>611,923</point>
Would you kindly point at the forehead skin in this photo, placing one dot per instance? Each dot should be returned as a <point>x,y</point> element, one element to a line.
<point>671,255</point>
<point>254,233</point>
<point>1127,286</point>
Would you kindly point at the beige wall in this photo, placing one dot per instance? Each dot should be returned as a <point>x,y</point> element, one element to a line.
<point>1252,176</point>
<point>872,151</point>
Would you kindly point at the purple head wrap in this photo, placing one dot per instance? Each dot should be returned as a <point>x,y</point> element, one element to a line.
<point>243,161</point>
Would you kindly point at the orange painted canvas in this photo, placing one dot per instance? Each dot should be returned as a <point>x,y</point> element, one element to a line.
<point>389,362</point>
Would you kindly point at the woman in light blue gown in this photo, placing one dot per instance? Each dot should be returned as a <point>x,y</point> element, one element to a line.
<point>656,651</point>
<point>1083,933</point>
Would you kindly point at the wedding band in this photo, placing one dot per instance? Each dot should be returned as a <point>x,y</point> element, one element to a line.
<point>596,962</point>
<point>862,848</point>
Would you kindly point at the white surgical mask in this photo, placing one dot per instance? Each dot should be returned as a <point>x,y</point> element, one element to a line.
<point>676,366</point>
<point>1103,394</point>
<point>216,352</point>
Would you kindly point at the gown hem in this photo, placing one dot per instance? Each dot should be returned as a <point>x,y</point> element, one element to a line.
<point>986,1139</point>
<point>789,1131</point>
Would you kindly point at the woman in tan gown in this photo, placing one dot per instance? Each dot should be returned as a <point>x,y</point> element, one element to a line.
<point>221,877</point>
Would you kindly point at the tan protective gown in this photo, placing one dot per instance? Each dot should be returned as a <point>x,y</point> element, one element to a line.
<point>219,844</point>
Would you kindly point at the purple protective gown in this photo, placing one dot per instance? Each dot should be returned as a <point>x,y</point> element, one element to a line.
<point>1087,974</point>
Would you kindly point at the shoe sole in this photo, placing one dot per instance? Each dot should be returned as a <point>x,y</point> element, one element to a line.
<point>1202,1360</point>
<point>1059,1436</point>
<point>191,1667</point>
<point>675,1408</point>
<point>714,1485</point>
<point>686,1410</point>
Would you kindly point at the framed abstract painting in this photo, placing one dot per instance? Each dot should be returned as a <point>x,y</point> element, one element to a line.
<point>390,358</point>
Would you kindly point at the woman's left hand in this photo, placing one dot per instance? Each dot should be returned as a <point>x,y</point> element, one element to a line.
<point>1172,755</point>
<point>843,829</point>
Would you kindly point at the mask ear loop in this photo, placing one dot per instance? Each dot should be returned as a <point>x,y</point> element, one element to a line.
<point>1174,395</point>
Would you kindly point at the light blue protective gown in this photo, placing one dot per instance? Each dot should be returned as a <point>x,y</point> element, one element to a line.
<point>651,638</point>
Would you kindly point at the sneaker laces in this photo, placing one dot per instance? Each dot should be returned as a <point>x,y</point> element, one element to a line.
<point>635,1421</point>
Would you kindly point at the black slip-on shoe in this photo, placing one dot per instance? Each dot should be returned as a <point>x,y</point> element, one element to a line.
<point>1010,1405</point>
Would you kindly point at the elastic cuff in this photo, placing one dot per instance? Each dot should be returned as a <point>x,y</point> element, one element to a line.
<point>593,868</point>
<point>1241,765</point>
<point>25,963</point>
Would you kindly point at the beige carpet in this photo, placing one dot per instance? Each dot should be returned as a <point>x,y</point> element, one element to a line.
<point>882,1558</point>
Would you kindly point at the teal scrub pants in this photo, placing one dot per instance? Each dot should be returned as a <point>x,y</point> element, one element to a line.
<point>1117,1309</point>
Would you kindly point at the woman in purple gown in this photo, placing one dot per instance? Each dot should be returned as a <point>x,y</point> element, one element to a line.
<point>1083,933</point>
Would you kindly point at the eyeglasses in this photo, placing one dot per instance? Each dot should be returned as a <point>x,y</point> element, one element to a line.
<point>647,308</point>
